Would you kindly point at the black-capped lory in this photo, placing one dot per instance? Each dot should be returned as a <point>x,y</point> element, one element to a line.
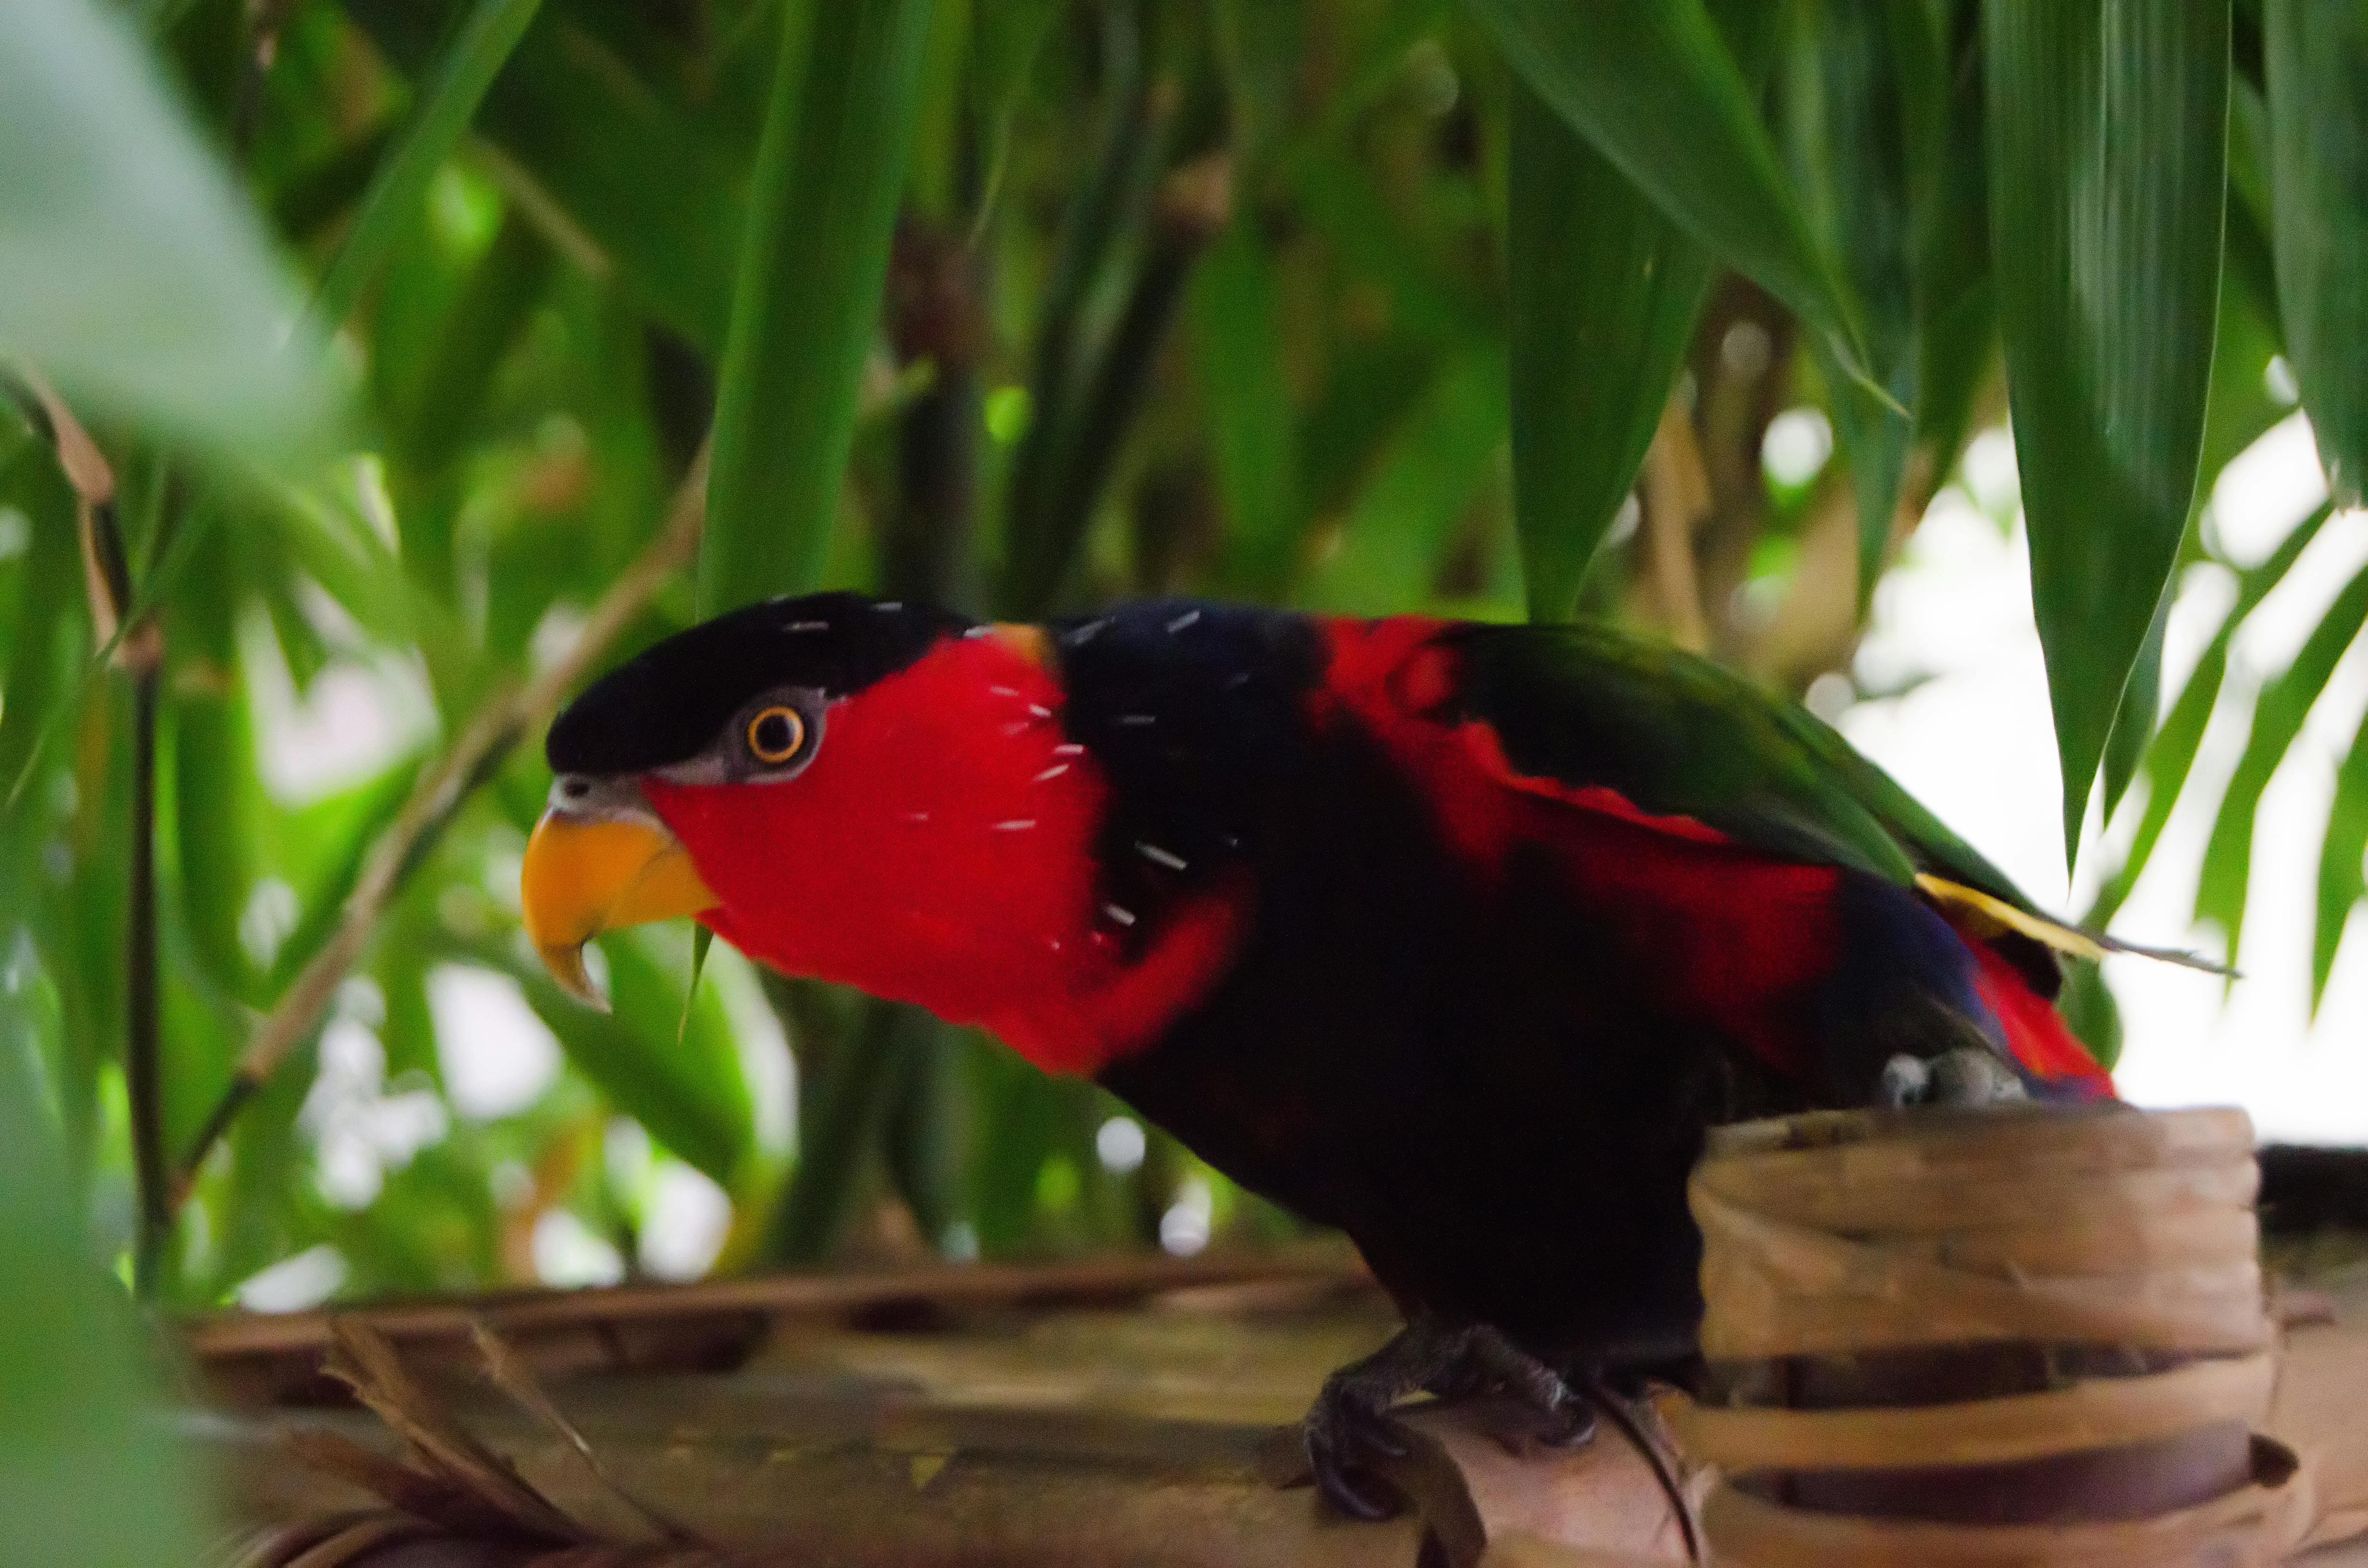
<point>1456,937</point>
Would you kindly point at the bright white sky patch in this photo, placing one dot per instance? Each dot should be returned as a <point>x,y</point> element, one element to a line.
<point>2265,490</point>
<point>365,709</point>
<point>567,1254</point>
<point>1975,744</point>
<point>497,1056</point>
<point>293,1284</point>
<point>688,1219</point>
<point>1796,446</point>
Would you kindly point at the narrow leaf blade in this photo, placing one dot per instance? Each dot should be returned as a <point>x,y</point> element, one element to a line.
<point>2341,879</point>
<point>1657,92</point>
<point>2133,725</point>
<point>87,1474</point>
<point>2106,144</point>
<point>1957,296</point>
<point>2278,719</point>
<point>830,173</point>
<point>2172,754</point>
<point>132,274</point>
<point>2316,67</point>
<point>1404,518</point>
<point>1253,426</point>
<point>1851,146</point>
<point>690,1094</point>
<point>1605,290</point>
<point>447,100</point>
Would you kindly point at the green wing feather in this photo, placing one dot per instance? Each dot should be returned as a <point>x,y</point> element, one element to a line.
<point>1679,736</point>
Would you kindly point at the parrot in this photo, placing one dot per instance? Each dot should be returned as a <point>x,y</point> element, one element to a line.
<point>1456,937</point>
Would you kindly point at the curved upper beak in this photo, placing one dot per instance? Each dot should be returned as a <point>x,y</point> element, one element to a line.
<point>585,873</point>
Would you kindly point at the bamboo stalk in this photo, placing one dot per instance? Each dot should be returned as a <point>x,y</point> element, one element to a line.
<point>1090,231</point>
<point>1194,204</point>
<point>135,645</point>
<point>143,1053</point>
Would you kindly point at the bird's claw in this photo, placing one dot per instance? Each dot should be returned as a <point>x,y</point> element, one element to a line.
<point>1522,1427</point>
<point>1349,1435</point>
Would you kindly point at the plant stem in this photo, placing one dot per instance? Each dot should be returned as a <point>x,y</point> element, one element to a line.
<point>930,554</point>
<point>139,652</point>
<point>1195,203</point>
<point>144,1064</point>
<point>473,757</point>
<point>806,294</point>
<point>851,1108</point>
<point>935,301</point>
<point>1089,235</point>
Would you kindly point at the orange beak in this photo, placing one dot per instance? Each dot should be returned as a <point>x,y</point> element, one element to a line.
<point>586,875</point>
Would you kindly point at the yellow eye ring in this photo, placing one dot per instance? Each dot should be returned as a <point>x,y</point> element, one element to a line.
<point>777,734</point>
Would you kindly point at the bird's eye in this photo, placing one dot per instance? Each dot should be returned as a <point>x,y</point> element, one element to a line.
<point>776,734</point>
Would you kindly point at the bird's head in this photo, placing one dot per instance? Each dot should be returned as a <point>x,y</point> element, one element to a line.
<point>873,793</point>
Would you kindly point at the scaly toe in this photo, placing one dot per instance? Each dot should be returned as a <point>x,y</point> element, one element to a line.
<point>1347,1443</point>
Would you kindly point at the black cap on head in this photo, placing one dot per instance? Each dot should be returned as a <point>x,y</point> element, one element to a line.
<point>667,704</point>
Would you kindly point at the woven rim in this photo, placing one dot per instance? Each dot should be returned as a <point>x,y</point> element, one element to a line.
<point>2254,1525</point>
<point>1851,1232</point>
<point>2090,1413</point>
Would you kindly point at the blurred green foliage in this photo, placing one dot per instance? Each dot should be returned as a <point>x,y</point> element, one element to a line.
<point>1366,305</point>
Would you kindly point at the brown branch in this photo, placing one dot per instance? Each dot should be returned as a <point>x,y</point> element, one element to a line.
<point>510,713</point>
<point>1677,499</point>
<point>106,569</point>
<point>1815,626</point>
<point>262,48</point>
<point>232,1338</point>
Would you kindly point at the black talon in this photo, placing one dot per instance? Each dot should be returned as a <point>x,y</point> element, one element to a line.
<point>1346,1435</point>
<point>1382,1502</point>
<point>1577,1427</point>
<point>1349,1431</point>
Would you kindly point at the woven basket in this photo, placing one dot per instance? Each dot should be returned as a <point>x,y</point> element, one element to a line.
<point>2001,1336</point>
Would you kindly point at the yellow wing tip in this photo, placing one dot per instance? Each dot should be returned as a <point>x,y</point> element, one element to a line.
<point>1997,915</point>
<point>1990,915</point>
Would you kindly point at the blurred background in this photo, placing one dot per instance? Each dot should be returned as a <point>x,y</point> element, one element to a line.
<point>1252,298</point>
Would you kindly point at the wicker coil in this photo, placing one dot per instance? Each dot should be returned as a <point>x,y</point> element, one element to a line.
<point>2018,1335</point>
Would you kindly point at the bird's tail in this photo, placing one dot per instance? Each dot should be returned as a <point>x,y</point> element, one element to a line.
<point>2051,1056</point>
<point>1985,915</point>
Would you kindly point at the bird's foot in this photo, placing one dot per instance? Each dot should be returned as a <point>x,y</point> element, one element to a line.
<point>1969,1075</point>
<point>1350,1435</point>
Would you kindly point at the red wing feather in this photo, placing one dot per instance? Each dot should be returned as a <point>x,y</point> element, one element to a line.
<point>1719,931</point>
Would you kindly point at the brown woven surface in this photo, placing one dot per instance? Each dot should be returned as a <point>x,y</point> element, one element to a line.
<point>1989,1338</point>
<point>992,1429</point>
<point>1114,1413</point>
<point>1863,1230</point>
